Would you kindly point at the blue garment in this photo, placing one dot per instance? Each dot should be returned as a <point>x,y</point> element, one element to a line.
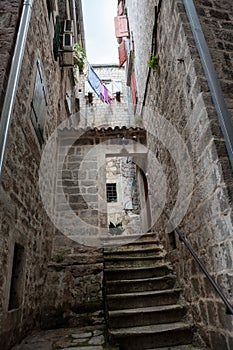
<point>94,80</point>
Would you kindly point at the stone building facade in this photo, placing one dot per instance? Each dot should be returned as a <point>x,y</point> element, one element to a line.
<point>74,284</point>
<point>50,280</point>
<point>44,97</point>
<point>175,103</point>
<point>93,111</point>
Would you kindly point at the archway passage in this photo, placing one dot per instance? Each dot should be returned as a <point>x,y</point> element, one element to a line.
<point>146,219</point>
<point>96,161</point>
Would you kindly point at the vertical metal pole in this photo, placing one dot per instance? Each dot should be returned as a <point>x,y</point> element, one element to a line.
<point>75,21</point>
<point>211,76</point>
<point>12,86</point>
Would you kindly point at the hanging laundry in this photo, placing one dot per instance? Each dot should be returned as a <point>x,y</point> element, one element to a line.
<point>103,93</point>
<point>98,86</point>
<point>94,80</point>
<point>110,98</point>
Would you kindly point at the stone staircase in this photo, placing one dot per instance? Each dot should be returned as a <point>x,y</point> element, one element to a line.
<point>143,305</point>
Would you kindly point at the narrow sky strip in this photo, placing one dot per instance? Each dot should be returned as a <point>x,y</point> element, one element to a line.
<point>101,43</point>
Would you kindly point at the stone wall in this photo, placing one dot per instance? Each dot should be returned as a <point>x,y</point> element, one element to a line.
<point>178,92</point>
<point>25,226</point>
<point>82,173</point>
<point>9,15</point>
<point>74,284</point>
<point>141,21</point>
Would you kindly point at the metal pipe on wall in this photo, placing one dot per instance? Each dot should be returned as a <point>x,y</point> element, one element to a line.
<point>13,80</point>
<point>81,23</point>
<point>224,117</point>
<point>75,21</point>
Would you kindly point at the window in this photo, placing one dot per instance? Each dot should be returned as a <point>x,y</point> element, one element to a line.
<point>16,287</point>
<point>120,8</point>
<point>118,96</point>
<point>111,192</point>
<point>88,88</point>
<point>49,8</point>
<point>133,89</point>
<point>117,89</point>
<point>121,26</point>
<point>56,38</point>
<point>122,52</point>
<point>117,86</point>
<point>77,105</point>
<point>90,98</point>
<point>68,101</point>
<point>39,104</point>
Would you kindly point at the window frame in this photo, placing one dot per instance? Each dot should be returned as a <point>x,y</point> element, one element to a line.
<point>111,192</point>
<point>17,280</point>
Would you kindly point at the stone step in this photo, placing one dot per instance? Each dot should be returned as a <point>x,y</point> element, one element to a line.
<point>142,299</point>
<point>146,316</point>
<point>134,236</point>
<point>180,347</point>
<point>147,337</point>
<point>131,246</point>
<point>126,273</point>
<point>133,251</point>
<point>140,285</point>
<point>114,241</point>
<point>130,261</point>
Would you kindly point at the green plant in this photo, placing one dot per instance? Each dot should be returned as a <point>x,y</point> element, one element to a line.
<point>138,120</point>
<point>132,55</point>
<point>116,229</point>
<point>79,56</point>
<point>153,62</point>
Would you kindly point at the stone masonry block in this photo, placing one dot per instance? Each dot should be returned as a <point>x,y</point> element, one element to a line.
<point>218,341</point>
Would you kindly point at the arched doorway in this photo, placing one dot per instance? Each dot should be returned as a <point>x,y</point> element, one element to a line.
<point>144,200</point>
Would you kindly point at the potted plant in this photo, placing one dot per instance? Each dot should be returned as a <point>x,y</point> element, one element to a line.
<point>79,57</point>
<point>116,229</point>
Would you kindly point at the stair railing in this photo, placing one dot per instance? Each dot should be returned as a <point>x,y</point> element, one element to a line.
<point>229,308</point>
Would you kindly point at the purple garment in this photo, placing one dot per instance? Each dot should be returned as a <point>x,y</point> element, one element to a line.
<point>103,93</point>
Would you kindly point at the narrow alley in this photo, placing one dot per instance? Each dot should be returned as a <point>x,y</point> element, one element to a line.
<point>116,155</point>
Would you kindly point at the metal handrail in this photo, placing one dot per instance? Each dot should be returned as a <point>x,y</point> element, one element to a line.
<point>223,114</point>
<point>229,308</point>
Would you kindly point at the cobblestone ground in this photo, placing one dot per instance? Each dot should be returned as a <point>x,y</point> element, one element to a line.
<point>66,339</point>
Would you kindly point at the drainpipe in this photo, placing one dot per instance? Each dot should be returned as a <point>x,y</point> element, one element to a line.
<point>12,85</point>
<point>224,117</point>
<point>81,24</point>
<point>75,21</point>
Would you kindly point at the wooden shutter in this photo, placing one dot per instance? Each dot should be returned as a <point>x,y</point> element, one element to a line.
<point>122,53</point>
<point>121,26</point>
<point>39,103</point>
<point>120,8</point>
<point>133,89</point>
